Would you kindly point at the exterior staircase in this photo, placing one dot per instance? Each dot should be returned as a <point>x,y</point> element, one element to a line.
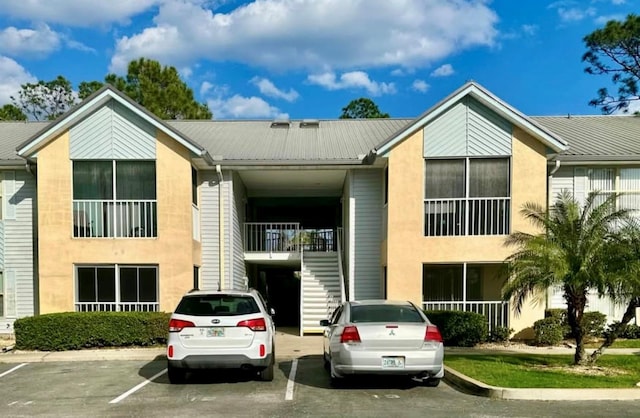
<point>320,288</point>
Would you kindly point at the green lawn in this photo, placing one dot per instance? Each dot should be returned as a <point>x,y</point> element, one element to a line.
<point>618,344</point>
<point>542,371</point>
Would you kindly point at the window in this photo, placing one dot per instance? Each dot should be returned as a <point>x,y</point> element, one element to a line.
<point>116,288</point>
<point>448,283</point>
<point>386,185</point>
<point>114,199</point>
<point>1,295</point>
<point>468,196</point>
<point>196,277</point>
<point>622,180</point>
<point>194,186</point>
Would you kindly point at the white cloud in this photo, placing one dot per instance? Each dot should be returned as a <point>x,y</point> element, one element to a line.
<point>205,87</point>
<point>601,20</point>
<point>568,11</point>
<point>351,80</point>
<point>12,75</point>
<point>238,106</point>
<point>76,12</point>
<point>530,30</point>
<point>618,2</point>
<point>443,71</point>
<point>269,89</point>
<point>420,85</point>
<point>39,41</point>
<point>312,34</point>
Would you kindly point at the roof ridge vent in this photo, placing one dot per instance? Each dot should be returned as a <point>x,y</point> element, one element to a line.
<point>310,123</point>
<point>281,123</point>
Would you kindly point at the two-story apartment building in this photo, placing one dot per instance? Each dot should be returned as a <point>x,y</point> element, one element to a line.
<point>110,208</point>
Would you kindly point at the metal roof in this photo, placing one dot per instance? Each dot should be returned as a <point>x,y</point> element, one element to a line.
<point>258,141</point>
<point>590,138</point>
<point>13,134</point>
<point>596,138</point>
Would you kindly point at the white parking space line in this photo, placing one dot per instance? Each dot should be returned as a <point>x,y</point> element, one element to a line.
<point>138,387</point>
<point>13,370</point>
<point>291,383</point>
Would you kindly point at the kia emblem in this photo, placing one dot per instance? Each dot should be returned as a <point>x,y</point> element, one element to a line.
<point>215,321</point>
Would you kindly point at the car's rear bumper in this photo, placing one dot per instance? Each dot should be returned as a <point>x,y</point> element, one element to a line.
<point>225,361</point>
<point>419,362</point>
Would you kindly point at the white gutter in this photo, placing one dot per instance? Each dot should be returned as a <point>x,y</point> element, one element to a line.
<point>220,228</point>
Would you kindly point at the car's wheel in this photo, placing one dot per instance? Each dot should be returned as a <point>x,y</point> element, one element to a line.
<point>432,382</point>
<point>266,375</point>
<point>176,375</point>
<point>337,381</point>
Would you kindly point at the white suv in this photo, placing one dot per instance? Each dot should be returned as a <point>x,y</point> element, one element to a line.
<point>221,330</point>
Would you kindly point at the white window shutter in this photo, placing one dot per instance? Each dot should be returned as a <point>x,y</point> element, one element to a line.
<point>8,190</point>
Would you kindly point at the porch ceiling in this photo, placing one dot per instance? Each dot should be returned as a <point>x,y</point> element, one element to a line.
<point>293,182</point>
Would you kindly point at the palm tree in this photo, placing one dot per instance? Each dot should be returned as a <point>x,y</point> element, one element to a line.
<point>573,251</point>
<point>624,285</point>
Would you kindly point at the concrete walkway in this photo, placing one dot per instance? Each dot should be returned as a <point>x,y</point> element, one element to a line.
<point>288,346</point>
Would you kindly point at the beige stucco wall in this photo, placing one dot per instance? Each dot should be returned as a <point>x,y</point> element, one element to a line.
<point>174,250</point>
<point>407,248</point>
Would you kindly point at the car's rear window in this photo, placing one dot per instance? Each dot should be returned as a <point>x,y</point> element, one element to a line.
<point>217,305</point>
<point>385,313</point>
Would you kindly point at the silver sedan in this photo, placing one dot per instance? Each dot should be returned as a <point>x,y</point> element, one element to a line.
<point>382,337</point>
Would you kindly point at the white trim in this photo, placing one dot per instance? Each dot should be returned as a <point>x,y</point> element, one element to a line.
<point>87,108</point>
<point>493,103</point>
<point>352,240</point>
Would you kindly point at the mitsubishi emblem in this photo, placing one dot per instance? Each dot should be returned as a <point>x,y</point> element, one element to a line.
<point>392,333</point>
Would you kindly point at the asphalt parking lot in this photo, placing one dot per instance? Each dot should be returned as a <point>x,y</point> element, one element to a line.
<point>141,388</point>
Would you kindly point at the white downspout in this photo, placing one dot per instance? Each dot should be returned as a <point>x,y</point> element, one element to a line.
<point>220,228</point>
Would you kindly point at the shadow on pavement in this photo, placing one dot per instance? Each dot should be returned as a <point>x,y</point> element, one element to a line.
<point>311,372</point>
<point>199,377</point>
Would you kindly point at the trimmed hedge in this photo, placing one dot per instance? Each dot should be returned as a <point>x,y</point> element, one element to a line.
<point>77,330</point>
<point>548,331</point>
<point>462,329</point>
<point>594,323</point>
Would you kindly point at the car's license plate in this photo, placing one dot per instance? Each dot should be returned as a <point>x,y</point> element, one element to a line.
<point>215,332</point>
<point>393,362</point>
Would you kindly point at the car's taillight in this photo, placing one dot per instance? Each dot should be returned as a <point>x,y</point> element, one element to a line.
<point>258,324</point>
<point>170,351</point>
<point>432,334</point>
<point>176,325</point>
<point>350,335</point>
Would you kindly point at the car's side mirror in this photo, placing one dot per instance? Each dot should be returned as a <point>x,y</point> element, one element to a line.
<point>272,312</point>
<point>325,323</point>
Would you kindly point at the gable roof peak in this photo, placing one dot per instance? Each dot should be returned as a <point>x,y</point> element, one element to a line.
<point>484,96</point>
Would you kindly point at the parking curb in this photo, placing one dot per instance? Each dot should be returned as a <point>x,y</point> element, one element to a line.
<point>475,387</point>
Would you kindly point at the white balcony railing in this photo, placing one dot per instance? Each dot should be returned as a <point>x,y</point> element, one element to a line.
<point>462,216</point>
<point>115,218</point>
<point>496,312</point>
<point>117,306</point>
<point>271,237</point>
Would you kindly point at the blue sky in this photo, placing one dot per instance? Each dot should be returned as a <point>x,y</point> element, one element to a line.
<point>309,58</point>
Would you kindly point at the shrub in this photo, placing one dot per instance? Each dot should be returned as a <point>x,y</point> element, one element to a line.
<point>548,331</point>
<point>629,331</point>
<point>500,334</point>
<point>462,329</point>
<point>77,330</point>
<point>594,323</point>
